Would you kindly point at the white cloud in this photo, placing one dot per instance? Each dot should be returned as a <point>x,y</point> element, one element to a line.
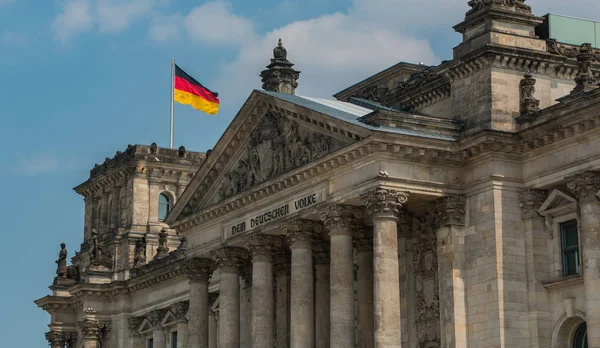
<point>164,28</point>
<point>75,18</point>
<point>44,163</point>
<point>10,37</point>
<point>214,23</point>
<point>117,15</point>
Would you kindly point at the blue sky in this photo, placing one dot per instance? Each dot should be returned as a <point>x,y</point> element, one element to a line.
<point>81,79</point>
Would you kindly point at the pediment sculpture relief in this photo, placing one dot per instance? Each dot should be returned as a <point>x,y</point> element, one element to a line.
<point>277,145</point>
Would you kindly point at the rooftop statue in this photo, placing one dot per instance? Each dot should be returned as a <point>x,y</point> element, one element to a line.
<point>61,269</point>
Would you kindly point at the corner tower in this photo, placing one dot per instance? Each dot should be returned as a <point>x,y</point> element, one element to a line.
<point>279,75</point>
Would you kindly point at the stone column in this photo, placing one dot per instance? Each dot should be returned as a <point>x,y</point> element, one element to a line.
<point>282,297</point>
<point>451,259</point>
<point>405,266</point>
<point>300,235</point>
<point>229,260</point>
<point>321,255</point>
<point>261,248</point>
<point>159,338</point>
<point>212,322</point>
<point>586,186</point>
<point>92,331</point>
<point>179,310</point>
<point>383,206</point>
<point>340,221</point>
<point>198,271</point>
<point>246,305</point>
<point>363,243</point>
<point>55,339</point>
<point>134,337</point>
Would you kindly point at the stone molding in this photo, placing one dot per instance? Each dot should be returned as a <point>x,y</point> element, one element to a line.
<point>198,269</point>
<point>262,246</point>
<point>451,210</point>
<point>301,233</point>
<point>384,203</point>
<point>230,259</point>
<point>340,219</point>
<point>585,185</point>
<point>282,263</point>
<point>179,310</point>
<point>530,201</point>
<point>321,254</point>
<point>94,329</point>
<point>363,239</point>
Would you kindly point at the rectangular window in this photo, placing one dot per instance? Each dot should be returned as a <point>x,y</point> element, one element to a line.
<point>150,343</point>
<point>569,236</point>
<point>174,339</point>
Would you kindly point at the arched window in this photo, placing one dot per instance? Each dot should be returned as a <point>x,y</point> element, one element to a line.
<point>580,338</point>
<point>164,206</point>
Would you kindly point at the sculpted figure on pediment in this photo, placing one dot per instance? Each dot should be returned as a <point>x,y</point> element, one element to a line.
<point>277,145</point>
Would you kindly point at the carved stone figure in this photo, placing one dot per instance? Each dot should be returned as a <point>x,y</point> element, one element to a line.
<point>140,252</point>
<point>426,280</point>
<point>277,145</point>
<point>98,256</point>
<point>61,269</point>
<point>585,79</point>
<point>519,5</point>
<point>163,249</point>
<point>529,103</point>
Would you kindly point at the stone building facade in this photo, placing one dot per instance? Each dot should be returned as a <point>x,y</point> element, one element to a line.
<point>455,205</point>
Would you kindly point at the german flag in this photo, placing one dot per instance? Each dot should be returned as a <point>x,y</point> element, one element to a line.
<point>191,92</point>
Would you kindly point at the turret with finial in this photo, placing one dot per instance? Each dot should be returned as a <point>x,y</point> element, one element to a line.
<point>279,75</point>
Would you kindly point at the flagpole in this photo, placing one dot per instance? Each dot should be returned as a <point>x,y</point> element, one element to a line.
<point>172,100</point>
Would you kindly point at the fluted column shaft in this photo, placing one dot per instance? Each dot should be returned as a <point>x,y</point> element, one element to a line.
<point>363,243</point>
<point>384,205</point>
<point>262,247</point>
<point>228,261</point>
<point>212,322</point>
<point>321,255</point>
<point>586,186</point>
<point>198,271</point>
<point>300,234</point>
<point>340,222</point>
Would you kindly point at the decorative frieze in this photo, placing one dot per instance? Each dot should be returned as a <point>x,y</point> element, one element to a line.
<point>530,201</point>
<point>230,259</point>
<point>301,233</point>
<point>384,203</point>
<point>198,269</point>
<point>340,219</point>
<point>585,185</point>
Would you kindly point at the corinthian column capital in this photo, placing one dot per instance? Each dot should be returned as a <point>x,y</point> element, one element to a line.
<point>301,233</point>
<point>55,338</point>
<point>262,246</point>
<point>230,259</point>
<point>530,201</point>
<point>451,210</point>
<point>198,269</point>
<point>585,185</point>
<point>340,219</point>
<point>94,329</point>
<point>384,203</point>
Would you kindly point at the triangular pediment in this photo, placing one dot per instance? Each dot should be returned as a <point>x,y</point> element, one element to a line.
<point>557,203</point>
<point>269,138</point>
<point>168,319</point>
<point>145,326</point>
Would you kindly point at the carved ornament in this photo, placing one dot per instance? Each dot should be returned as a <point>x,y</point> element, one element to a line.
<point>301,233</point>
<point>384,203</point>
<point>277,145</point>
<point>262,246</point>
<point>134,324</point>
<point>140,252</point>
<point>340,219</point>
<point>529,103</point>
<point>179,310</point>
<point>230,259</point>
<point>163,249</point>
<point>198,269</point>
<point>451,210</point>
<point>585,80</point>
<point>518,5</point>
<point>530,201</point>
<point>94,329</point>
<point>98,255</point>
<point>585,185</point>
